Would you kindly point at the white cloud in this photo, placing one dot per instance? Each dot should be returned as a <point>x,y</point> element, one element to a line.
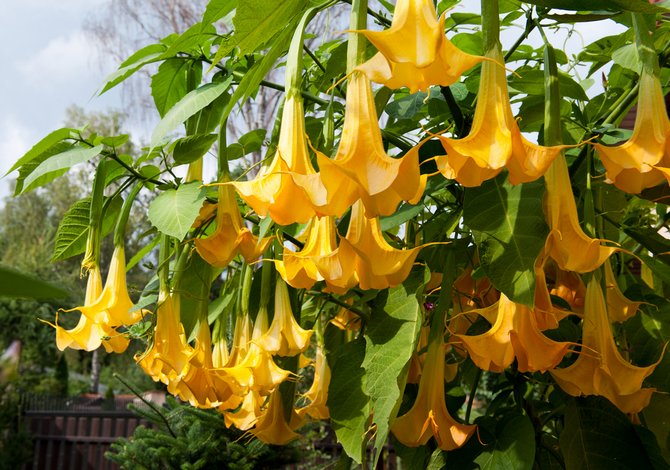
<point>15,140</point>
<point>63,59</point>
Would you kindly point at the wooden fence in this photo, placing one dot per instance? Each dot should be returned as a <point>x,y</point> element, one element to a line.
<point>75,434</point>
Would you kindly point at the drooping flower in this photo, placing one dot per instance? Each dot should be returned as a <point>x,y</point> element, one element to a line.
<point>514,334</point>
<point>345,319</point>
<point>566,285</point>
<point>600,369</point>
<point>285,337</point>
<point>275,192</point>
<point>495,140</point>
<point>230,236</point>
<point>378,264</point>
<point>317,394</point>
<point>643,160</point>
<point>319,260</point>
<point>567,243</point>
<point>91,331</point>
<point>429,416</point>
<point>272,427</point>
<point>414,51</point>
<point>379,180</point>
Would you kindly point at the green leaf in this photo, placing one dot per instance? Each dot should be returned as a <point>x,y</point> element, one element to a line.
<point>146,55</point>
<point>42,146</point>
<point>510,230</point>
<point>589,5</point>
<point>407,106</point>
<point>657,419</point>
<point>257,21</point>
<point>250,142</point>
<point>196,38</point>
<point>193,289</point>
<point>348,404</point>
<point>174,211</point>
<point>73,228</point>
<point>390,340</point>
<point>531,81</point>
<point>190,104</point>
<point>513,447</point>
<point>402,215</point>
<point>29,167</point>
<point>217,9</point>
<point>596,435</point>
<point>628,58</point>
<point>191,148</point>
<point>16,284</point>
<point>168,85</point>
<point>56,165</point>
<point>145,250</point>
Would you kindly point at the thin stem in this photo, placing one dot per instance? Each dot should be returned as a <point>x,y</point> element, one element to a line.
<point>132,171</point>
<point>490,25</point>
<point>336,301</point>
<point>473,392</point>
<point>357,42</point>
<point>122,221</point>
<point>381,19</point>
<point>530,25</point>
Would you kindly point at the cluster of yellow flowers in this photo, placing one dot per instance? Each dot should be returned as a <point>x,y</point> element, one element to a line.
<point>243,382</point>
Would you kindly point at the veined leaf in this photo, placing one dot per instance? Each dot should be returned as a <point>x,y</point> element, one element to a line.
<point>217,9</point>
<point>347,401</point>
<point>29,167</point>
<point>16,284</point>
<point>257,21</point>
<point>174,211</point>
<point>73,228</point>
<point>642,6</point>
<point>514,445</point>
<point>190,148</point>
<point>55,165</point>
<point>42,146</point>
<point>510,230</point>
<point>193,289</point>
<point>146,55</point>
<point>597,435</point>
<point>390,340</point>
<point>168,85</point>
<point>190,104</point>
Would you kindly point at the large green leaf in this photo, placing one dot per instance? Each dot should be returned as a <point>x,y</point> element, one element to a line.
<point>390,340</point>
<point>16,284</point>
<point>217,9</point>
<point>146,55</point>
<point>190,104</point>
<point>168,85</point>
<point>510,230</point>
<point>257,21</point>
<point>189,149</point>
<point>174,211</point>
<point>348,404</point>
<point>193,288</point>
<point>42,146</point>
<point>73,228</point>
<point>55,165</point>
<point>27,168</point>
<point>590,5</point>
<point>513,447</point>
<point>597,436</point>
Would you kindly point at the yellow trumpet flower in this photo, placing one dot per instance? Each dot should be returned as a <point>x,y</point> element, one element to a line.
<point>567,243</point>
<point>514,334</point>
<point>619,308</point>
<point>319,260</point>
<point>607,374</point>
<point>231,236</point>
<point>429,416</point>
<point>272,427</point>
<point>90,332</point>
<point>284,337</point>
<point>378,179</point>
<point>643,160</point>
<point>414,51</point>
<point>495,140</point>
<point>317,394</point>
<point>285,190</point>
<point>378,264</point>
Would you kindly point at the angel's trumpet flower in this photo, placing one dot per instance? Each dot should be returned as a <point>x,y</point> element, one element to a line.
<point>495,140</point>
<point>284,337</point>
<point>170,353</point>
<point>317,394</point>
<point>414,52</point>
<point>319,260</point>
<point>345,319</point>
<point>90,332</point>
<point>378,264</point>
<point>566,285</point>
<point>230,236</point>
<point>643,160</point>
<point>378,179</point>
<point>272,427</point>
<point>514,334</point>
<point>567,243</point>
<point>606,373</point>
<point>284,190</point>
<point>244,416</point>
<point>619,308</point>
<point>429,416</point>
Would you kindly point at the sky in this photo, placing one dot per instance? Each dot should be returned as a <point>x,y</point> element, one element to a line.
<point>50,64</point>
